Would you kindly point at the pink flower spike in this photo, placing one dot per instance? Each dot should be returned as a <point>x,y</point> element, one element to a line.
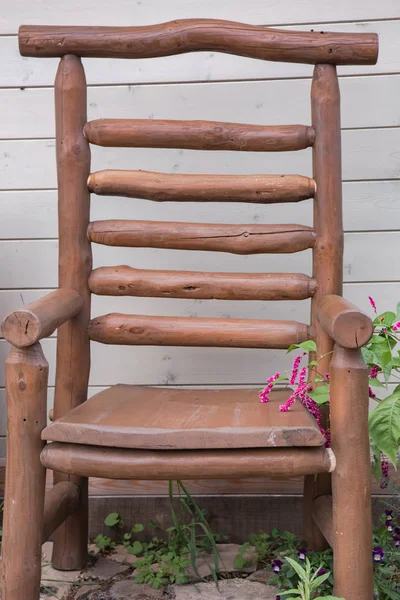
<point>303,375</point>
<point>373,373</point>
<point>285,407</point>
<point>372,303</point>
<point>273,378</point>
<point>371,393</point>
<point>396,326</point>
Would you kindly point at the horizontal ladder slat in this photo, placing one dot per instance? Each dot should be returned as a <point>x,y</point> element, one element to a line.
<point>166,187</point>
<point>196,332</point>
<point>198,135</point>
<point>190,35</point>
<point>127,281</point>
<point>237,239</point>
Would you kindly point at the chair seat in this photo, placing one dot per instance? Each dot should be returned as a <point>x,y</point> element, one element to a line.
<point>128,416</point>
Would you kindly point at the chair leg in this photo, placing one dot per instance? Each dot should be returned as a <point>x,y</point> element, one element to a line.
<point>26,389</point>
<point>351,480</point>
<point>70,552</point>
<point>314,487</point>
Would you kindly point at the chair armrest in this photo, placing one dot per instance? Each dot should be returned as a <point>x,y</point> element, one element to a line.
<point>344,322</point>
<point>26,326</point>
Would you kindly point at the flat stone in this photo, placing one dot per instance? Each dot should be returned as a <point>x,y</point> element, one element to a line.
<point>93,549</point>
<point>104,569</point>
<point>86,591</point>
<point>228,589</point>
<point>58,581</point>
<point>122,556</point>
<point>227,555</point>
<point>261,575</point>
<point>128,590</point>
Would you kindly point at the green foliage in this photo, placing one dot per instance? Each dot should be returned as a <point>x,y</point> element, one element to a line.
<point>384,426</point>
<point>167,560</point>
<point>309,581</point>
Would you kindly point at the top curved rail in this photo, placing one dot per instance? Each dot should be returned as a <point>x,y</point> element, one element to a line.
<point>193,35</point>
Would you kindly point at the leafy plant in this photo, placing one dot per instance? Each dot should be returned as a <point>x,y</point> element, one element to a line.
<point>382,356</point>
<point>167,560</point>
<point>309,582</point>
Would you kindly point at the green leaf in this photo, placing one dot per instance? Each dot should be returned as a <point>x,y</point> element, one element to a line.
<point>376,465</point>
<point>292,347</point>
<point>398,312</point>
<point>313,363</point>
<point>384,426</point>
<point>376,383</point>
<point>292,591</point>
<point>319,580</point>
<point>386,319</point>
<point>368,355</point>
<point>137,528</point>
<point>111,519</point>
<point>321,394</point>
<point>308,346</point>
<point>328,598</point>
<point>136,548</point>
<point>298,568</point>
<point>382,353</point>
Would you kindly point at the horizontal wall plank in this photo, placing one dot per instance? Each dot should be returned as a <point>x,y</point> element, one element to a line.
<point>367,154</point>
<point>29,112</point>
<point>145,13</point>
<point>203,66</point>
<point>367,205</point>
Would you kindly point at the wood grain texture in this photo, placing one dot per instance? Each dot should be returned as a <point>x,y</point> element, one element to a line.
<point>197,135</point>
<point>61,500</point>
<point>167,187</point>
<point>351,481</point>
<point>26,373</point>
<point>344,322</point>
<point>186,331</point>
<point>322,515</point>
<point>143,417</point>
<point>328,250</point>
<point>191,35</point>
<point>127,281</point>
<point>25,327</point>
<point>74,267</point>
<point>123,463</point>
<point>236,239</point>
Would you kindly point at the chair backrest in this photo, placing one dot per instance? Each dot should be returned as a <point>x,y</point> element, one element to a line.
<point>75,182</point>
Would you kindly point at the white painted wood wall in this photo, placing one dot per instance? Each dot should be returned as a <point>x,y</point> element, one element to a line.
<point>202,86</point>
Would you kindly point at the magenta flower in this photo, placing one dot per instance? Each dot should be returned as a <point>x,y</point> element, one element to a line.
<point>373,373</point>
<point>385,466</point>
<point>295,369</point>
<point>303,375</point>
<point>264,394</point>
<point>372,303</point>
<point>396,326</point>
<point>371,393</point>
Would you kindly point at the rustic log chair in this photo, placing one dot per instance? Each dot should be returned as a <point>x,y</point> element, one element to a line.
<point>134,432</point>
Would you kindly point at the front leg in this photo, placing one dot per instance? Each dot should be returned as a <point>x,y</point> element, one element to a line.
<point>351,480</point>
<point>26,392</point>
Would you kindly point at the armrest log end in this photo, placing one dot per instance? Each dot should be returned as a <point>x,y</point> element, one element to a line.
<point>26,326</point>
<point>344,322</point>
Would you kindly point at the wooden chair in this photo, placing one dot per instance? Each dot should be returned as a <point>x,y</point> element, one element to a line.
<point>134,432</point>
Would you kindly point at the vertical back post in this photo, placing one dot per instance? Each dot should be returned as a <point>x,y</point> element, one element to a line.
<point>75,264</point>
<point>328,249</point>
